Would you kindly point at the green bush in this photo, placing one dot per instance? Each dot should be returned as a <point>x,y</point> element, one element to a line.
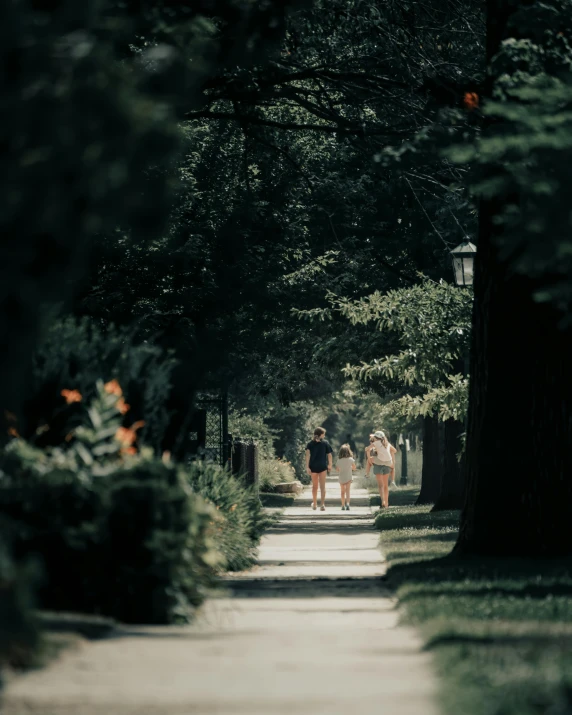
<point>244,518</point>
<point>160,545</point>
<point>117,531</point>
<point>274,471</point>
<point>137,545</point>
<point>244,425</point>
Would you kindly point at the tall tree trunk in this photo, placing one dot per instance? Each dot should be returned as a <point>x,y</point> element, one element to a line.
<point>452,482</point>
<point>432,462</point>
<point>519,500</point>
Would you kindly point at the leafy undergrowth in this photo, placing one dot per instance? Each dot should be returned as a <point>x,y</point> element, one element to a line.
<point>274,471</point>
<point>501,631</point>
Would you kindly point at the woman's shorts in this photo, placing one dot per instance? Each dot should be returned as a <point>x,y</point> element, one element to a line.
<point>381,469</point>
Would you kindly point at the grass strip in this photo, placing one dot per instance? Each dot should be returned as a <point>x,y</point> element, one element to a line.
<point>500,630</point>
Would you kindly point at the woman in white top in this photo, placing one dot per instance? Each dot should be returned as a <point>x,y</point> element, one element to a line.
<point>346,464</point>
<point>383,462</point>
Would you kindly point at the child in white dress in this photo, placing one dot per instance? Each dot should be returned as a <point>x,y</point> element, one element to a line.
<point>346,465</point>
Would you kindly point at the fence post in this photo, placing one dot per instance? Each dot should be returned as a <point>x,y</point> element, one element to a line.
<point>238,459</point>
<point>245,462</point>
<point>403,445</point>
<point>226,438</point>
<point>252,477</point>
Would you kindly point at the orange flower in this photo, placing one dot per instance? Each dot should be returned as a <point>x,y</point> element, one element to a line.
<point>113,388</point>
<point>126,436</point>
<point>233,507</point>
<point>122,406</point>
<point>69,437</point>
<point>471,100</point>
<point>137,425</point>
<point>13,432</point>
<point>166,457</point>
<point>129,450</point>
<point>71,396</point>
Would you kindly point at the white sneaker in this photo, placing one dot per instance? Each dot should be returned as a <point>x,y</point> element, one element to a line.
<point>322,508</point>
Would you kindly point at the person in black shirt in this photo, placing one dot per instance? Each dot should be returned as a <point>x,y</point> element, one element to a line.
<point>318,462</point>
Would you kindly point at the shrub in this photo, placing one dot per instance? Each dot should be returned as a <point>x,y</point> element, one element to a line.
<point>252,427</point>
<point>136,546</point>
<point>160,545</point>
<point>274,471</point>
<point>244,518</point>
<point>118,532</point>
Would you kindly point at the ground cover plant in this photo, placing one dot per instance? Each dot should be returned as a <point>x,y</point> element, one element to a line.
<point>244,519</point>
<point>274,471</point>
<point>500,631</point>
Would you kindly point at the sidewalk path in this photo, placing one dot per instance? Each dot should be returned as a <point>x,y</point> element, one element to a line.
<point>309,631</point>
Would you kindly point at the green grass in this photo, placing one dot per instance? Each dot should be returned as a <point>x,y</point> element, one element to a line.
<point>501,631</point>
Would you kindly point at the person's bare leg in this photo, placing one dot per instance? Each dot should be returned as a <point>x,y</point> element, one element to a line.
<point>348,487</point>
<point>323,476</point>
<point>343,494</point>
<point>392,476</point>
<point>368,466</point>
<point>380,487</point>
<point>315,480</point>
<point>385,483</point>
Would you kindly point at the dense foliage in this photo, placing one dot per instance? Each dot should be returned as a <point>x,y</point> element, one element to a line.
<point>118,531</point>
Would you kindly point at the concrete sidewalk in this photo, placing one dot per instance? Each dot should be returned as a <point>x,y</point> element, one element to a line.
<point>310,630</point>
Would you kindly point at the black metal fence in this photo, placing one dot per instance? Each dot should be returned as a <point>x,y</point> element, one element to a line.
<point>209,438</point>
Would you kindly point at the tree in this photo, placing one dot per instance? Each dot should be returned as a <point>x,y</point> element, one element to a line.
<point>283,190</point>
<point>90,132</point>
<point>521,387</point>
<point>432,469</point>
<point>431,323</point>
<point>451,493</point>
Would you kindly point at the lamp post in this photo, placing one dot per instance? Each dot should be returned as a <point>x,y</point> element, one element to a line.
<point>464,263</point>
<point>464,270</point>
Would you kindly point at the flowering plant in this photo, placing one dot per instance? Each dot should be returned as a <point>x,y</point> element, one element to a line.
<point>95,446</point>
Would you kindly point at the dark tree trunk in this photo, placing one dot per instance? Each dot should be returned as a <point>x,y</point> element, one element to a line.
<point>432,462</point>
<point>452,482</point>
<point>519,501</point>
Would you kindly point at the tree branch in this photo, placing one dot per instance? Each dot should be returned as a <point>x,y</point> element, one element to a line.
<point>326,129</point>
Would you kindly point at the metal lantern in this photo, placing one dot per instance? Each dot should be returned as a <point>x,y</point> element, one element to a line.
<point>463,263</point>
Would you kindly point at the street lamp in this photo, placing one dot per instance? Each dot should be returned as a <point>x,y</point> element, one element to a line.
<point>463,263</point>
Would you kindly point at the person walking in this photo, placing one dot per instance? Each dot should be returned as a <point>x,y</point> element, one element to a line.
<point>346,465</point>
<point>318,463</point>
<point>382,463</point>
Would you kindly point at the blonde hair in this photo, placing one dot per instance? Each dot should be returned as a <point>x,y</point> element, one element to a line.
<point>345,451</point>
